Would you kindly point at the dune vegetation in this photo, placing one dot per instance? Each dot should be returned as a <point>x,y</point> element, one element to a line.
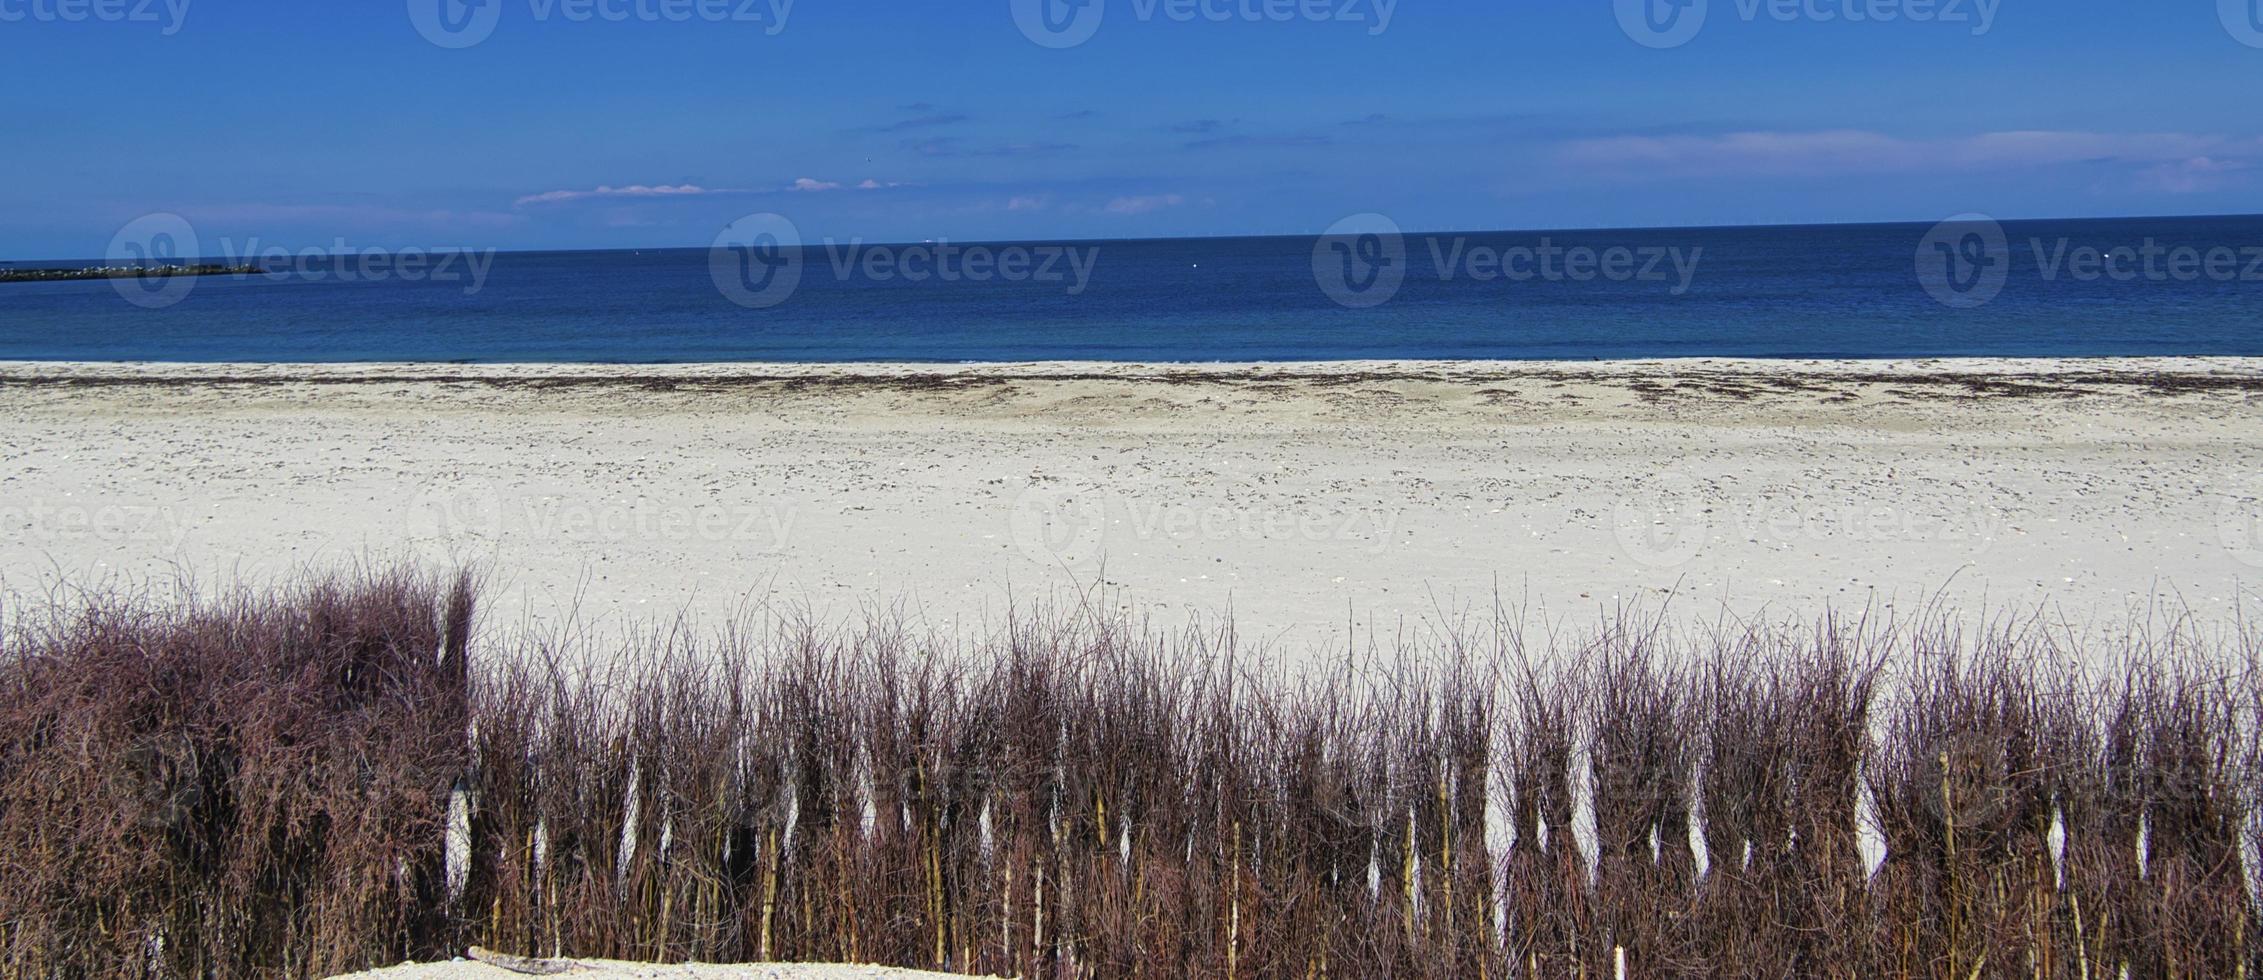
<point>346,775</point>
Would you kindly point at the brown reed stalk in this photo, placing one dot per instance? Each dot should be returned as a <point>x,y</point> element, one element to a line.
<point>264,786</point>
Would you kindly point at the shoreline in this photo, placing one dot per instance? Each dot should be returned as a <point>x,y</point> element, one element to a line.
<point>2210,365</point>
<point>1314,501</point>
<point>1650,380</point>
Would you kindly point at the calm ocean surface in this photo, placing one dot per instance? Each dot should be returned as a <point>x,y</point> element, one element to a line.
<point>1822,291</point>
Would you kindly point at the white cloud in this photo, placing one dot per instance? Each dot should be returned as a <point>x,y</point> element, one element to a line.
<point>633,190</point>
<point>1144,203</point>
<point>1026,203</point>
<point>813,185</point>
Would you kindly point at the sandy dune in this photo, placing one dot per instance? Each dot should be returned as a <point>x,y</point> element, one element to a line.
<point>1307,499</point>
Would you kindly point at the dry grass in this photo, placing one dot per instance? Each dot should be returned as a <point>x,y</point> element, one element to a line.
<point>272,785</point>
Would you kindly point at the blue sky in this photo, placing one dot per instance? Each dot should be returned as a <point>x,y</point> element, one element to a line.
<point>303,124</point>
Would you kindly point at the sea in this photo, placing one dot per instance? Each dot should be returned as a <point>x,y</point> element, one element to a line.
<point>1973,287</point>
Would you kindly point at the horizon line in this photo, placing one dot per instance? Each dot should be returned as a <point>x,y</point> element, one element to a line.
<point>1761,225</point>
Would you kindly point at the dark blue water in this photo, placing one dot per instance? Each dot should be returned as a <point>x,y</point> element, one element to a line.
<point>1822,291</point>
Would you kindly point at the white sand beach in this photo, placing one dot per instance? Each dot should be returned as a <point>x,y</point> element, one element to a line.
<point>1304,499</point>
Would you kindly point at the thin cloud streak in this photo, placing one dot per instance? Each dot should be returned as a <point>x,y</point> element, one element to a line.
<point>1275,141</point>
<point>1828,153</point>
<point>952,146</point>
<point>1144,204</point>
<point>631,191</point>
<point>917,122</point>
